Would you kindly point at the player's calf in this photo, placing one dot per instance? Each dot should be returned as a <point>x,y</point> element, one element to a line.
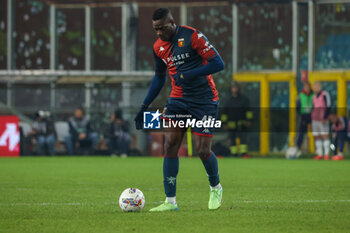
<point>172,143</point>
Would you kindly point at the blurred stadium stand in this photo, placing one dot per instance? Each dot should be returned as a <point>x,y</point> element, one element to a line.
<point>61,54</point>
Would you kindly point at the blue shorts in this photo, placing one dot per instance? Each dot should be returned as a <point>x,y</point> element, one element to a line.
<point>181,109</point>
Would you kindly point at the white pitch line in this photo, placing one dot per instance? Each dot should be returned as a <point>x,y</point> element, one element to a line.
<point>55,204</point>
<point>115,203</point>
<point>289,201</point>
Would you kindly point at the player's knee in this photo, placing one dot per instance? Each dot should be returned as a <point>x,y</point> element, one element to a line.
<point>170,147</point>
<point>169,144</point>
<point>203,153</point>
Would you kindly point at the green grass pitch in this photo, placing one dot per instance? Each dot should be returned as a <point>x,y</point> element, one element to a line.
<point>80,194</point>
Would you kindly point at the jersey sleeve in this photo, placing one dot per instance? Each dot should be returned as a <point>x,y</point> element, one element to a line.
<point>159,65</point>
<point>201,44</point>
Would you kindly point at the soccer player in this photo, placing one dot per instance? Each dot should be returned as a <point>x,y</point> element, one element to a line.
<point>341,131</point>
<point>321,103</point>
<point>190,60</point>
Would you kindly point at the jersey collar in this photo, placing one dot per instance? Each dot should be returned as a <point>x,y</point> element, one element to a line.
<point>177,29</point>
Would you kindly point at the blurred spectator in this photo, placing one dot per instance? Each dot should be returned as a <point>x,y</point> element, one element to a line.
<point>43,131</point>
<point>304,108</point>
<point>237,118</point>
<point>321,102</point>
<point>118,136</point>
<point>341,134</point>
<point>80,133</point>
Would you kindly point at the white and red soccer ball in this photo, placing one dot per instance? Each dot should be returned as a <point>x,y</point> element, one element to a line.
<point>132,200</point>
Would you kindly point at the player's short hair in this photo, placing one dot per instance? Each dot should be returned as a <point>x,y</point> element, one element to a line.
<point>160,13</point>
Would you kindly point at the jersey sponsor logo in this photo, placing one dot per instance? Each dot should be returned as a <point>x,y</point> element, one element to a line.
<point>176,59</point>
<point>161,48</point>
<point>151,120</point>
<point>181,42</point>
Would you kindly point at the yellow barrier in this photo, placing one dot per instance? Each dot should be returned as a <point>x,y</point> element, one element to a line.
<point>293,95</point>
<point>264,79</point>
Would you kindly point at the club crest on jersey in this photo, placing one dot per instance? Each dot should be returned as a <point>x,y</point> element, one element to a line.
<point>181,42</point>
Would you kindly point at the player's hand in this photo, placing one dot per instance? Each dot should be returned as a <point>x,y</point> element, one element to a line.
<point>179,78</point>
<point>139,117</point>
<point>82,136</point>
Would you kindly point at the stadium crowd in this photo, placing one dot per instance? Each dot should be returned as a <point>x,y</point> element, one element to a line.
<point>77,135</point>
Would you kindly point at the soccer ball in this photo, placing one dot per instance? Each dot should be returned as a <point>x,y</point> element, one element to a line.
<point>132,200</point>
<point>293,153</point>
<point>333,148</point>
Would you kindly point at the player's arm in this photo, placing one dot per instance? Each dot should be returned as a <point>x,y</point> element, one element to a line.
<point>157,84</point>
<point>202,46</point>
<point>157,81</point>
<point>213,66</point>
<point>298,106</point>
<point>327,100</point>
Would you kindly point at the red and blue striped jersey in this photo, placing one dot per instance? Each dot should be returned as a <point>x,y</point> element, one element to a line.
<point>188,49</point>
